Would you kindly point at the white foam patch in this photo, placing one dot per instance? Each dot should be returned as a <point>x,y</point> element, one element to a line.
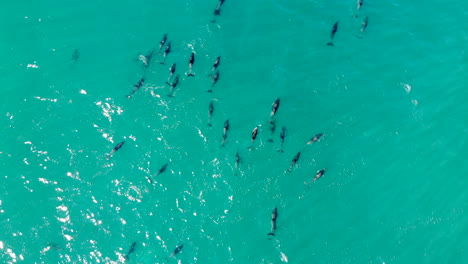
<point>407,87</point>
<point>45,99</point>
<point>33,65</point>
<point>108,109</point>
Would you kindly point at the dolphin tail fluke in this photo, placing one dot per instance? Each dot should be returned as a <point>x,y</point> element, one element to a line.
<point>209,91</point>
<point>170,95</point>
<point>191,74</point>
<point>168,83</point>
<point>270,140</point>
<point>271,234</point>
<point>330,43</point>
<point>209,124</point>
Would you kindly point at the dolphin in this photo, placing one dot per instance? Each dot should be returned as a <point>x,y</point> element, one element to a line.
<point>274,216</point>
<point>225,130</point>
<point>172,69</point>
<point>166,52</point>
<point>161,170</point>
<point>216,63</point>
<point>254,136</point>
<point>333,32</point>
<point>136,87</point>
<point>254,133</point>
<point>176,251</point>
<point>117,147</point>
<point>130,251</point>
<point>359,4</point>
<point>295,160</point>
<point>217,11</point>
<point>162,42</point>
<point>191,61</point>
<point>275,107</point>
<point>319,174</point>
<point>315,139</point>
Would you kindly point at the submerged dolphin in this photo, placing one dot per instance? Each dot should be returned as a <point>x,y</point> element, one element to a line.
<point>364,24</point>
<point>238,160</point>
<point>76,55</point>
<point>282,136</point>
<point>295,160</point>
<point>146,59</point>
<point>210,112</point>
<point>173,86</point>
<point>215,78</point>
<point>136,87</point>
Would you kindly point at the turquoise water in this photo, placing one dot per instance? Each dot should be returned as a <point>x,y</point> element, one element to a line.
<point>391,102</point>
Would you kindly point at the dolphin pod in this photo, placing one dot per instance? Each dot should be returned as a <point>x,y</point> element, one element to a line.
<point>165,46</point>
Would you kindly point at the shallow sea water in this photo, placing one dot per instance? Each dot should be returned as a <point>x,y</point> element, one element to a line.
<point>391,102</point>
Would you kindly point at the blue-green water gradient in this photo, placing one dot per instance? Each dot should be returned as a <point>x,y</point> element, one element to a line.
<point>390,101</point>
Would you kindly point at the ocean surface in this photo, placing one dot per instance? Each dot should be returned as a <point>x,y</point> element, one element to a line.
<point>391,102</point>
